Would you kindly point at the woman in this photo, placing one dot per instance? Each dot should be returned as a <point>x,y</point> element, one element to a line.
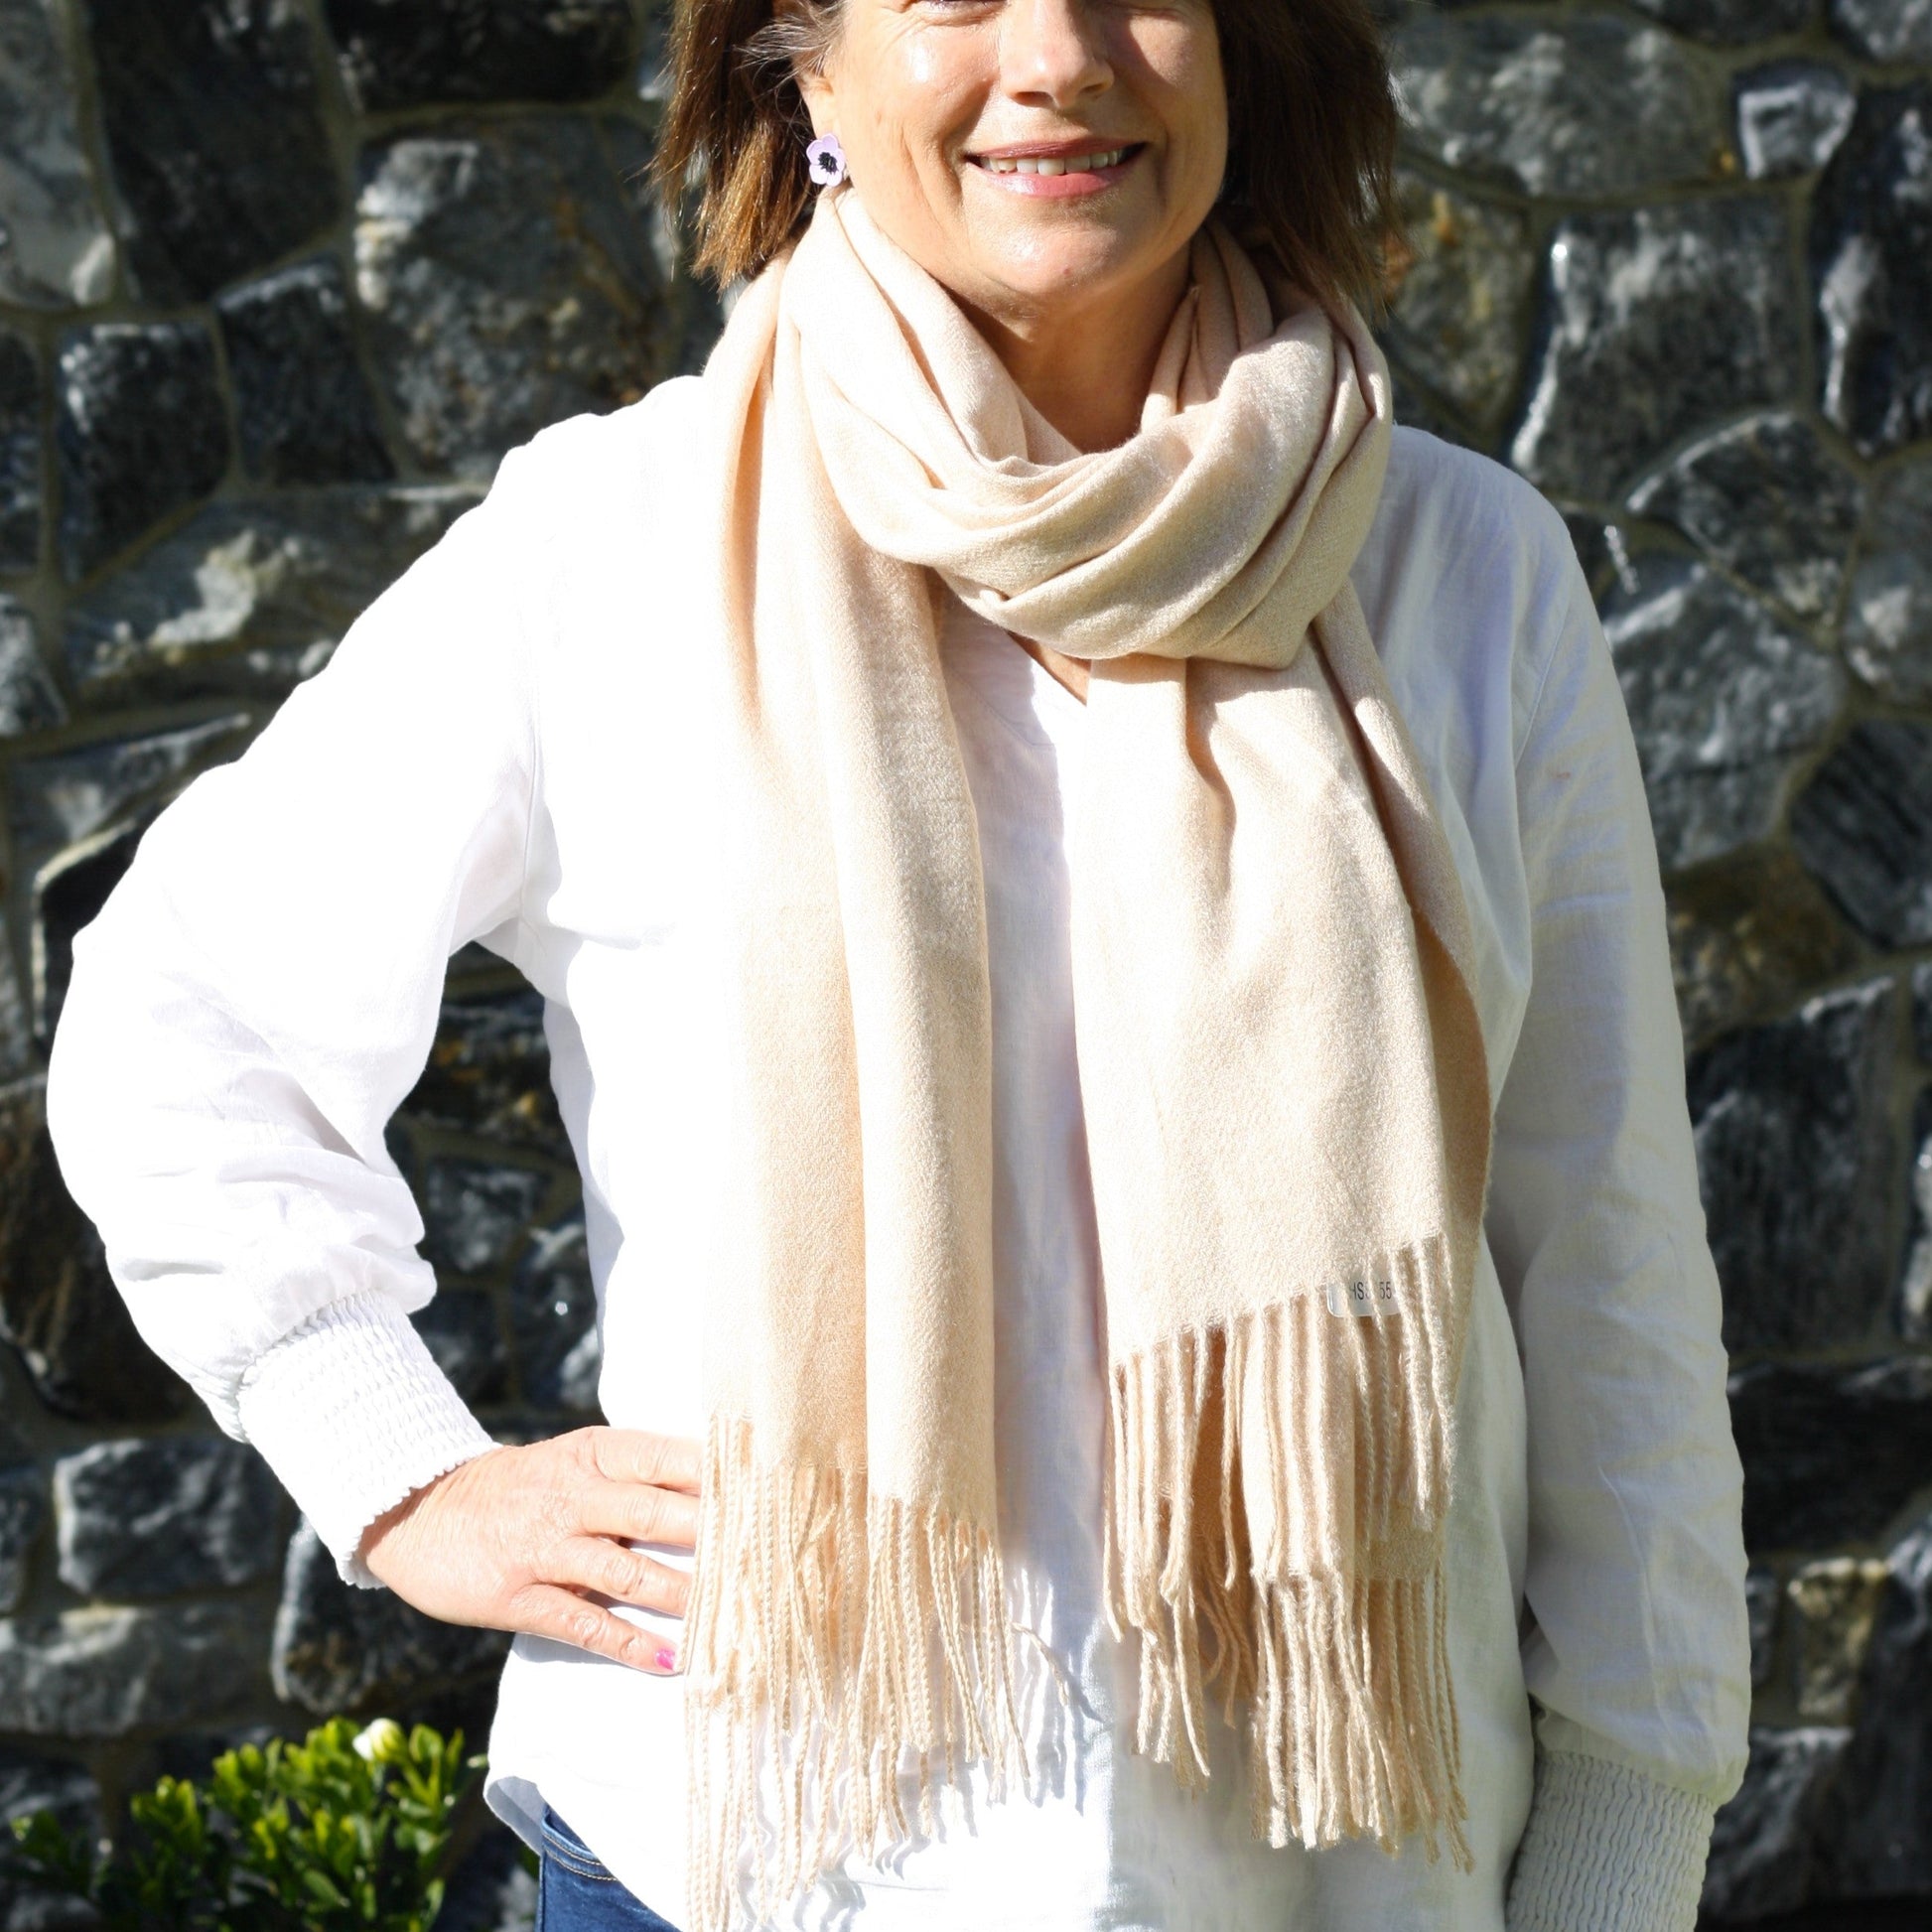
<point>1105,970</point>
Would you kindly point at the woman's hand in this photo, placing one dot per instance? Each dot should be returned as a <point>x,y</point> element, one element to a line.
<point>532,1539</point>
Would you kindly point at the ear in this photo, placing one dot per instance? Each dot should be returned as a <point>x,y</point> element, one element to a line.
<point>815,88</point>
<point>821,101</point>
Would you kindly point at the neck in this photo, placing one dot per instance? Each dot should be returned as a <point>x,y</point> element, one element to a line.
<point>1087,371</point>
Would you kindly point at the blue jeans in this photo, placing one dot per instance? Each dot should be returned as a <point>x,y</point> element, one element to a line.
<point>576,1892</point>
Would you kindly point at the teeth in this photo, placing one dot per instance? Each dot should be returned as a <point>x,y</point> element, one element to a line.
<point>1072,164</point>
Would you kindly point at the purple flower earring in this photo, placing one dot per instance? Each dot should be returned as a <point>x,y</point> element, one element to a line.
<point>826,161</point>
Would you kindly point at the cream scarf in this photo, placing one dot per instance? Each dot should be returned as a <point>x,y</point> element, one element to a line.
<point>1283,1080</point>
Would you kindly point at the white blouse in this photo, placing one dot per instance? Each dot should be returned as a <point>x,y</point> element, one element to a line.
<point>506,748</point>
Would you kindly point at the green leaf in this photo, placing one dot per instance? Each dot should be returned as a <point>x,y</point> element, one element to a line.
<point>308,1836</point>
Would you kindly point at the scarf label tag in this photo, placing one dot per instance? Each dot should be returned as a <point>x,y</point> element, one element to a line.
<point>1361,1296</point>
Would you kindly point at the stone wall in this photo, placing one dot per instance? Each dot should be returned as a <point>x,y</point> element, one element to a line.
<point>280,280</point>
<point>1674,262</point>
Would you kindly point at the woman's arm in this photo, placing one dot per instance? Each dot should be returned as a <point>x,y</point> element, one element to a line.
<point>1639,1655</point>
<point>259,992</point>
<point>257,995</point>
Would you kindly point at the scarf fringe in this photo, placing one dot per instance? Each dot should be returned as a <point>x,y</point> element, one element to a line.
<point>816,1584</point>
<point>1334,1625</point>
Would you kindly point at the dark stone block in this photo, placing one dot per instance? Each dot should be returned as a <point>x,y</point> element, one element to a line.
<point>1914,1311</point>
<point>214,136</point>
<point>1874,1915</point>
<point>1831,1455</point>
<point>476,1211</point>
<point>1922,1010</point>
<point>103,1673</point>
<point>339,1648</point>
<point>156,1518</point>
<point>489,1073</point>
<point>1791,116</point>
<point>1769,502</point>
<point>473,968</point>
<point>1763,1847</point>
<point>1597,545</point>
<point>1416,408</point>
<point>553,1310</point>
<point>303,408</point>
<point>1761,1599</point>
<point>55,248</point>
<point>253,595</point>
<point>506,285</point>
<point>1871,266</point>
<point>24,1908</point>
<point>1864,828</point>
<point>1748,938</point>
<point>1714,813</point>
<point>1722,697</point>
<point>494,1890</point>
<point>1731,22</point>
<point>410,52</point>
<point>69,893</point>
<point>1794,1151</point>
<point>1458,320</point>
<point>1586,107</point>
<point>58,1303</point>
<point>653,82</point>
<point>23,1515</point>
<point>66,796</point>
<point>1889,617</point>
<point>191,1754</point>
<point>1832,1604</point>
<point>30,701</point>
<point>693,318</point>
<point>29,1784</point>
<point>20,449</point>
<point>401,1144</point>
<point>1885,29</point>
<point>460,1331</point>
<point>16,1021</point>
<point>141,432</point>
<point>1656,319</point>
<point>1876,1843</point>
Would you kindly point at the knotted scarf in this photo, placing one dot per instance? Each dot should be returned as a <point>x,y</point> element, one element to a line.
<point>1283,1081</point>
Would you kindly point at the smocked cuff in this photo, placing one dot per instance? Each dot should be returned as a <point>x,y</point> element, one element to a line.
<point>353,1414</point>
<point>1607,1850</point>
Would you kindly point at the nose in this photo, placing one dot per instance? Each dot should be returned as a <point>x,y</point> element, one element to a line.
<point>1051,53</point>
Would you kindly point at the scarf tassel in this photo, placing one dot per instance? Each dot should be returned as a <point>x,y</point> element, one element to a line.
<point>825,1586</point>
<point>1331,1621</point>
<point>1332,1618</point>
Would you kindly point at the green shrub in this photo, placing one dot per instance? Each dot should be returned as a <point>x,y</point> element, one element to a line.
<point>348,1829</point>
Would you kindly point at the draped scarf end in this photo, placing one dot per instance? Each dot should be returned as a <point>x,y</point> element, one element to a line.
<point>851,1638</point>
<point>1323,1607</point>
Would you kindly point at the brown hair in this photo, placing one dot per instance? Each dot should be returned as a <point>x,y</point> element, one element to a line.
<point>1312,131</point>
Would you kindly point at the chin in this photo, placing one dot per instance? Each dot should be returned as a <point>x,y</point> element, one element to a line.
<point>1062,267</point>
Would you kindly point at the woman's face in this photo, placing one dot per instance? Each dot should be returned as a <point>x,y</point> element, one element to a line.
<point>1034,156</point>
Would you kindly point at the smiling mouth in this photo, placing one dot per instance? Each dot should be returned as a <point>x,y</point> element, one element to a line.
<point>1092,162</point>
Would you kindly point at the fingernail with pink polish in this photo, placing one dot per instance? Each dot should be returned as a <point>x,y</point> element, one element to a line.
<point>667,1660</point>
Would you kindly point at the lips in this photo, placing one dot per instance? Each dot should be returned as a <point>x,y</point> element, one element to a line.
<point>1089,163</point>
<point>1083,154</point>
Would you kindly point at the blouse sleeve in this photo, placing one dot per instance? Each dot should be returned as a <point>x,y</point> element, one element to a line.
<point>260,991</point>
<point>1638,1654</point>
